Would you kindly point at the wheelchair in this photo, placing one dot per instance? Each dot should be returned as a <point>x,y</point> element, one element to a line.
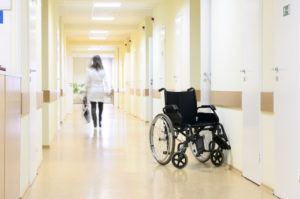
<point>202,131</point>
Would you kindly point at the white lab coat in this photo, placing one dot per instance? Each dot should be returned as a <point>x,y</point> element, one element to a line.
<point>96,82</point>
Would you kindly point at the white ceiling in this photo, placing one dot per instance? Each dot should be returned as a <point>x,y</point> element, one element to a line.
<point>77,17</point>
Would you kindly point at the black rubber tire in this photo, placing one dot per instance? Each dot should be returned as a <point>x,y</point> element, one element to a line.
<point>179,160</point>
<point>217,157</point>
<point>169,130</point>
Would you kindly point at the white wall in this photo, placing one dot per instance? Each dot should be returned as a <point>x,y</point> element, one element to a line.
<point>80,65</point>
<point>227,45</point>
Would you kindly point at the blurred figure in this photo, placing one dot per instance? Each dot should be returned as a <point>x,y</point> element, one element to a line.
<point>96,82</point>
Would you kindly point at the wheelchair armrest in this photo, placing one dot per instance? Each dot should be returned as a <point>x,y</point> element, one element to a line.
<point>170,109</point>
<point>212,107</point>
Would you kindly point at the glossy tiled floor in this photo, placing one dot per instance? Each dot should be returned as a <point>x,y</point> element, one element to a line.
<point>116,163</point>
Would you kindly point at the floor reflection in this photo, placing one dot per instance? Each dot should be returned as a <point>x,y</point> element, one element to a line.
<point>115,162</point>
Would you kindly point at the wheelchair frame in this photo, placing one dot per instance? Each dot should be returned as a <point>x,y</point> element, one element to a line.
<point>173,128</point>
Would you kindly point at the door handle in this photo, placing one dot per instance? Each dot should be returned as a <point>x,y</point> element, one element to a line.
<point>32,71</point>
<point>276,69</point>
<point>205,74</point>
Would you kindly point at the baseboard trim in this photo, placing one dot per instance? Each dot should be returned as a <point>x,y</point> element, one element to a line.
<point>26,192</point>
<point>266,187</point>
<point>232,168</point>
<point>262,186</point>
<point>251,181</point>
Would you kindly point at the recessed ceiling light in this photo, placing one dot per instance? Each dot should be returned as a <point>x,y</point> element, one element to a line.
<point>107,4</point>
<point>97,38</point>
<point>99,31</point>
<point>103,18</point>
<point>94,49</point>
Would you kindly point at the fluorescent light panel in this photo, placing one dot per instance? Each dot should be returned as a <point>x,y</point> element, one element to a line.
<point>107,4</point>
<point>99,31</point>
<point>103,18</point>
<point>97,38</point>
<point>94,49</point>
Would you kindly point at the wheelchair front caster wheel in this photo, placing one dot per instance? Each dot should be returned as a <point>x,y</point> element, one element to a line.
<point>179,160</point>
<point>217,157</point>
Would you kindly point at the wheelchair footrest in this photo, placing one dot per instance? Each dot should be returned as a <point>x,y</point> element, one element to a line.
<point>221,142</point>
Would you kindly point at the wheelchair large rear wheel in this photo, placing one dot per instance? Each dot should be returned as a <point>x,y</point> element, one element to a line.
<point>162,142</point>
<point>207,140</point>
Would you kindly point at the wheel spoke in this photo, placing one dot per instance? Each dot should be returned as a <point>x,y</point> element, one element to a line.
<point>161,145</point>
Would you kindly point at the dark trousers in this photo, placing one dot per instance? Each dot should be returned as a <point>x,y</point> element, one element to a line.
<point>94,114</point>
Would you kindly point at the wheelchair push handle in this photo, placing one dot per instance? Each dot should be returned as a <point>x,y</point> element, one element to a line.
<point>162,89</point>
<point>191,89</point>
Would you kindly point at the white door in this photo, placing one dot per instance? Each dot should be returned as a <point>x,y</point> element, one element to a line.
<point>177,76</point>
<point>58,76</point>
<point>150,79</point>
<point>133,80</point>
<point>161,59</point>
<point>127,82</point>
<point>69,84</point>
<point>34,145</point>
<point>287,98</point>
<point>251,88</point>
<point>206,51</point>
<point>142,80</point>
<point>181,74</point>
<point>159,65</point>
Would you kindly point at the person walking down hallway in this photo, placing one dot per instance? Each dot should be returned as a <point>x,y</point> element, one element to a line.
<point>96,82</point>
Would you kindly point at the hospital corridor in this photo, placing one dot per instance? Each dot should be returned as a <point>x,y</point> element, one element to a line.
<point>149,99</point>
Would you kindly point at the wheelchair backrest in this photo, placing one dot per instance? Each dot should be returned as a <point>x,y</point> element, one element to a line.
<point>186,102</point>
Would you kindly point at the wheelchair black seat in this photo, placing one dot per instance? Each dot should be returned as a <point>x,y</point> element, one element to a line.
<point>202,130</point>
